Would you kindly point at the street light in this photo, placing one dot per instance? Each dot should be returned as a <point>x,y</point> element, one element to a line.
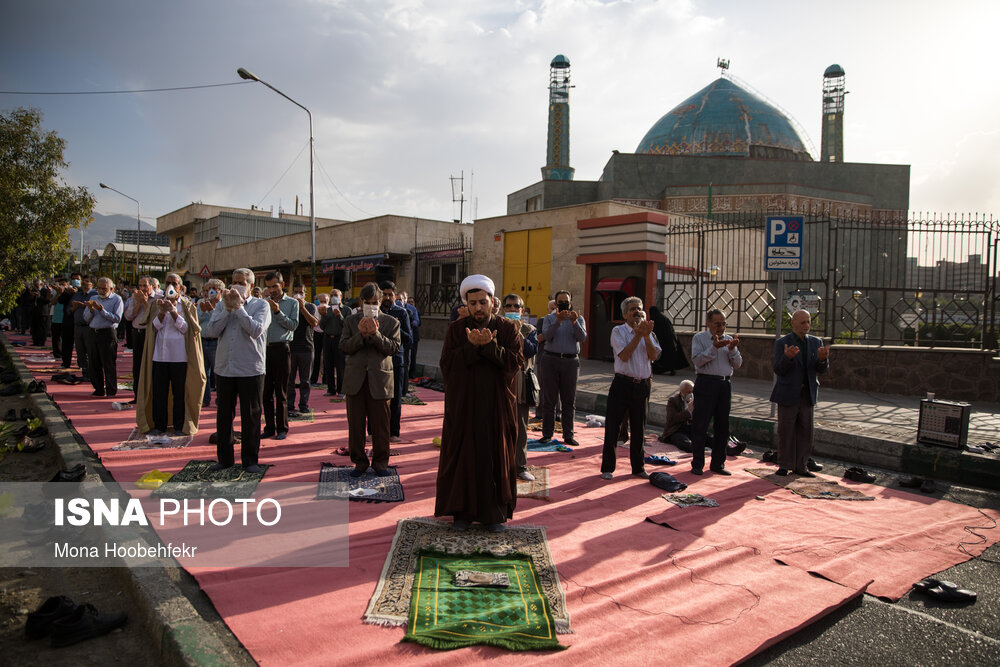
<point>138,228</point>
<point>249,76</point>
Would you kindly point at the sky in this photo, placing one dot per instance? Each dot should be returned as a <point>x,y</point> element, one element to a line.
<point>405,94</point>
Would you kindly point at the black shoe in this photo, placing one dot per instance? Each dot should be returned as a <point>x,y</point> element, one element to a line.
<point>804,473</point>
<point>216,467</point>
<point>571,441</point>
<point>358,472</point>
<point>384,473</point>
<point>281,436</point>
<point>253,467</point>
<point>40,621</point>
<point>84,623</point>
<point>812,466</point>
<point>546,439</point>
<point>859,475</point>
<point>267,433</point>
<point>720,471</point>
<point>770,456</point>
<point>783,472</point>
<point>696,471</point>
<point>99,394</point>
<point>643,474</point>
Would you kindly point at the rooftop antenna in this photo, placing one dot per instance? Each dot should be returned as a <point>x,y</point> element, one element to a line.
<point>722,64</point>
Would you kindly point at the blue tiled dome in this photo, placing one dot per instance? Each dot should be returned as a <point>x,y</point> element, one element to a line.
<point>724,119</point>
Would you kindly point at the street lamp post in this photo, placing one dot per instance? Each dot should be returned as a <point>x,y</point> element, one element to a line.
<point>249,76</point>
<point>138,229</point>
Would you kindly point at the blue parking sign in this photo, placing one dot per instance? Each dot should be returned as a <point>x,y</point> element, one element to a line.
<point>783,251</point>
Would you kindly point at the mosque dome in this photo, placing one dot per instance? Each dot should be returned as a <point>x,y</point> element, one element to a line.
<point>723,119</point>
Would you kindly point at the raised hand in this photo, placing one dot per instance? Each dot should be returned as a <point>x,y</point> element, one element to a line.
<point>734,343</point>
<point>823,353</point>
<point>273,304</point>
<point>573,316</point>
<point>368,326</point>
<point>791,351</point>
<point>719,341</point>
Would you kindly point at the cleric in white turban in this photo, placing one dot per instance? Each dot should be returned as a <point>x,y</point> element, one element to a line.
<point>477,473</point>
<point>477,281</point>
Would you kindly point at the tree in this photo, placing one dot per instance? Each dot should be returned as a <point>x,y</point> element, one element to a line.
<point>37,208</point>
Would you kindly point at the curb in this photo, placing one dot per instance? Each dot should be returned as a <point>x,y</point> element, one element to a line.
<point>169,619</point>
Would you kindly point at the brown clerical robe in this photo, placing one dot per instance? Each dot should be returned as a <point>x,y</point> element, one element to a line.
<point>477,476</point>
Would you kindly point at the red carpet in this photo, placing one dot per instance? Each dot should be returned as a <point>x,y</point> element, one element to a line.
<point>727,583</point>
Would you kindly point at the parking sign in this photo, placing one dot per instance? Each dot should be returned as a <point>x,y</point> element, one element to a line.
<point>783,251</point>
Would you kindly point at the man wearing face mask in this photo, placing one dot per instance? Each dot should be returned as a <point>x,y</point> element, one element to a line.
<point>481,355</point>
<point>525,384</point>
<point>716,355</point>
<point>206,307</point>
<point>137,312</point>
<point>563,331</point>
<point>240,323</point>
<point>331,321</point>
<point>680,408</point>
<point>389,307</point>
<point>284,321</point>
<point>301,351</point>
<point>68,328</point>
<point>172,381</point>
<point>318,376</point>
<point>103,313</point>
<point>370,340</point>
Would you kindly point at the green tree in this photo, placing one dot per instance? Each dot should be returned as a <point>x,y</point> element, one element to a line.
<point>37,208</point>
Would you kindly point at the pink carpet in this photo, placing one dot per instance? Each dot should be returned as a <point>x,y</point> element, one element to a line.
<point>727,583</point>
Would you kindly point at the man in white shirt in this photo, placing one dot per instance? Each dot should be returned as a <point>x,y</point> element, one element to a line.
<point>635,348</point>
<point>169,358</point>
<point>716,355</point>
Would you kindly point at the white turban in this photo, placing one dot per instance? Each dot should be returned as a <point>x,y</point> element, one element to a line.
<point>474,282</point>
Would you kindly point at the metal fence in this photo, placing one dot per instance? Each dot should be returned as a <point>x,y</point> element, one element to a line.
<point>439,270</point>
<point>927,281</point>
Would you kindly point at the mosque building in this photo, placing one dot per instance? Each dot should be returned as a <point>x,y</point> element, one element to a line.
<point>723,151</point>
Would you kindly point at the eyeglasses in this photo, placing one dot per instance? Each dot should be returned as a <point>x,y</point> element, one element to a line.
<point>511,306</point>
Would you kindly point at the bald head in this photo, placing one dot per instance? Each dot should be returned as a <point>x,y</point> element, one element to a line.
<point>801,319</point>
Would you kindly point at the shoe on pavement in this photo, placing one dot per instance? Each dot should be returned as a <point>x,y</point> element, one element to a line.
<point>40,621</point>
<point>812,466</point>
<point>84,623</point>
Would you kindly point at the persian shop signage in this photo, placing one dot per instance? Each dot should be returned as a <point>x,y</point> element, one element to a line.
<point>366,263</point>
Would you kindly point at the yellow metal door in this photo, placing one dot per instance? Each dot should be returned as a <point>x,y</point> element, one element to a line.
<point>527,267</point>
<point>515,263</point>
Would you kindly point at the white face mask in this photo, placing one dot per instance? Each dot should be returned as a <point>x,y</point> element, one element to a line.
<point>335,301</point>
<point>212,293</point>
<point>171,292</point>
<point>370,310</point>
<point>298,295</point>
<point>242,290</point>
<point>687,397</point>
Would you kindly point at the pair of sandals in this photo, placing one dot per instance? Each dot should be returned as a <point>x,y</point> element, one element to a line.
<point>36,387</point>
<point>925,485</point>
<point>946,591</point>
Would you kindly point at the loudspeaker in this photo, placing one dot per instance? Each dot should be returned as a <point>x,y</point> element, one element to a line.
<point>384,272</point>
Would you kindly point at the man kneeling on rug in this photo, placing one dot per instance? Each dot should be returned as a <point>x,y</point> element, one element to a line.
<point>477,475</point>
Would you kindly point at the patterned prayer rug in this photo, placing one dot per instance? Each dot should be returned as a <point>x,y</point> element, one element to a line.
<point>136,440</point>
<point>538,488</point>
<point>479,599</point>
<point>536,425</point>
<point>302,417</point>
<point>336,483</point>
<point>809,487</point>
<point>195,481</point>
<point>390,603</point>
<point>412,399</point>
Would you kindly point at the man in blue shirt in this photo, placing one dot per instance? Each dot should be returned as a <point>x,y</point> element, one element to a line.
<point>103,313</point>
<point>563,330</point>
<point>240,324</point>
<point>284,321</point>
<point>716,355</point>
<point>411,361</point>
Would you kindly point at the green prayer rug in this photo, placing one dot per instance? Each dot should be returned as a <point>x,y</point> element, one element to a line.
<point>448,612</point>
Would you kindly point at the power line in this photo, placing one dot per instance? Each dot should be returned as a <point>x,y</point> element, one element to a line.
<point>280,178</point>
<point>121,92</point>
<point>323,169</point>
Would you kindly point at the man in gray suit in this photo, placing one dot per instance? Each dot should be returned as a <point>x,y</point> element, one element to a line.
<point>798,357</point>
<point>369,340</point>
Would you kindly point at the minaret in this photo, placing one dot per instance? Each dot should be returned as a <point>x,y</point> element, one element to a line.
<point>557,151</point>
<point>832,149</point>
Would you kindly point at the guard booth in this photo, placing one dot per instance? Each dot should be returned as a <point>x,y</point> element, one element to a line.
<point>607,308</point>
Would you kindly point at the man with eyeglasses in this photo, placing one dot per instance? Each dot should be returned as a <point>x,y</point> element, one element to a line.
<point>284,321</point>
<point>525,383</point>
<point>716,355</point>
<point>563,331</point>
<point>103,313</point>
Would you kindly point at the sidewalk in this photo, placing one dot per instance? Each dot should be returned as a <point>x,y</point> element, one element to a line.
<point>878,430</point>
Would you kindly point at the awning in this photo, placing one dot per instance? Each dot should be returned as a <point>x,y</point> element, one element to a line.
<point>625,285</point>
